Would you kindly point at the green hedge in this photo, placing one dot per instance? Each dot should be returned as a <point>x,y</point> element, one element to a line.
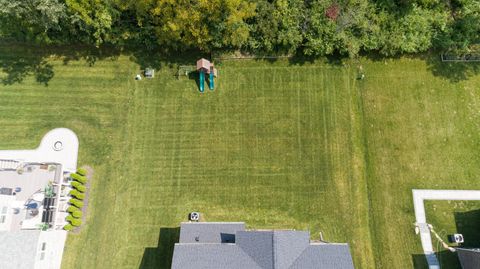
<point>79,186</point>
<point>82,171</point>
<point>75,184</point>
<point>76,202</point>
<point>68,227</point>
<point>75,222</point>
<point>77,214</point>
<point>72,209</point>
<point>79,178</point>
<point>69,218</point>
<point>77,194</point>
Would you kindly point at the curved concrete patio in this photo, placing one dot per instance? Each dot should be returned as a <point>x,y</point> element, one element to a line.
<point>59,145</point>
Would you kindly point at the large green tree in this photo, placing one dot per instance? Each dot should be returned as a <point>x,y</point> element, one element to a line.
<point>278,26</point>
<point>30,20</point>
<point>464,26</point>
<point>91,20</point>
<point>345,27</point>
<point>413,32</point>
<point>313,27</point>
<point>203,24</point>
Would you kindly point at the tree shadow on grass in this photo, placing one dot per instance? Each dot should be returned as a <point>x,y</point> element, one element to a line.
<point>89,54</point>
<point>467,225</point>
<point>161,256</point>
<point>419,261</point>
<point>446,258</point>
<point>17,68</point>
<point>20,61</point>
<point>453,71</point>
<point>157,59</point>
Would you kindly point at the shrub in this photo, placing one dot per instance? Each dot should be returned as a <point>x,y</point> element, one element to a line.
<point>76,222</point>
<point>78,178</point>
<point>76,202</point>
<point>72,209</point>
<point>81,188</point>
<point>77,214</point>
<point>68,227</point>
<point>77,194</point>
<point>82,171</point>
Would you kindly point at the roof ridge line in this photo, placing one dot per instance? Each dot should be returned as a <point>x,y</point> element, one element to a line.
<point>250,257</point>
<point>299,255</point>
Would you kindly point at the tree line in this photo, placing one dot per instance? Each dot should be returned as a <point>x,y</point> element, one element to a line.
<point>308,27</point>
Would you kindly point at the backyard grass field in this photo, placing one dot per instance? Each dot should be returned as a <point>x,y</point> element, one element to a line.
<point>282,144</point>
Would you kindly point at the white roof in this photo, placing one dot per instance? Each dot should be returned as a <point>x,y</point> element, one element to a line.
<point>32,249</point>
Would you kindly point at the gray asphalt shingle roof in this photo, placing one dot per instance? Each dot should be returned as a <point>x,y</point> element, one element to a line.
<point>209,232</point>
<point>324,256</point>
<point>211,256</point>
<point>255,249</point>
<point>469,258</point>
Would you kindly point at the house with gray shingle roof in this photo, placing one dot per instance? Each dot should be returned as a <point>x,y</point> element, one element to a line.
<point>229,245</point>
<point>469,257</point>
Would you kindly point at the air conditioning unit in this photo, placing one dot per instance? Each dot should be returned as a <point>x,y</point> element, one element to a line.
<point>456,238</point>
<point>194,216</point>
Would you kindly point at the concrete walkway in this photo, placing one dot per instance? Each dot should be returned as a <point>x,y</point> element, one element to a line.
<point>58,146</point>
<point>418,197</point>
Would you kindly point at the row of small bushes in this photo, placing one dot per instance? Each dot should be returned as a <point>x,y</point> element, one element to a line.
<point>78,194</point>
<point>75,214</point>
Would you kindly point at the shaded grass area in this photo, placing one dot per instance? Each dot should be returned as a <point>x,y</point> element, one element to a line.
<point>278,144</point>
<point>449,217</point>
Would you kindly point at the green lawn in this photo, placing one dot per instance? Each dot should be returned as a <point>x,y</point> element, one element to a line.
<point>277,145</point>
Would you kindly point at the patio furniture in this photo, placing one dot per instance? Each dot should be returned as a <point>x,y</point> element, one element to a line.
<point>32,205</point>
<point>33,212</point>
<point>18,189</point>
<point>6,191</point>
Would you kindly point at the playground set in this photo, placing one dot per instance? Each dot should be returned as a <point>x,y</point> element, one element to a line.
<point>204,66</point>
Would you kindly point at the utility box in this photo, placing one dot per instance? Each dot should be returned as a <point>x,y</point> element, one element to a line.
<point>149,73</point>
<point>455,238</point>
